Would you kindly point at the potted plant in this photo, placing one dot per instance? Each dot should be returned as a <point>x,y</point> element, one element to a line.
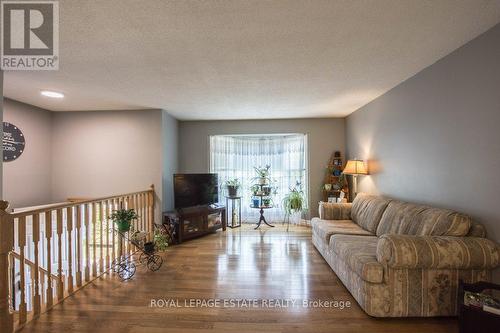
<point>123,218</point>
<point>256,202</point>
<point>149,247</point>
<point>266,202</point>
<point>232,186</point>
<point>255,189</point>
<point>294,201</point>
<point>266,190</point>
<point>160,240</point>
<point>262,174</point>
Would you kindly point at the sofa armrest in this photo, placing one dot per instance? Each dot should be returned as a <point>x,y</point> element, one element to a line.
<point>438,252</point>
<point>335,211</point>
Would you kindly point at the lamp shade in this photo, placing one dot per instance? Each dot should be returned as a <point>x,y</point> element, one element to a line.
<point>355,167</point>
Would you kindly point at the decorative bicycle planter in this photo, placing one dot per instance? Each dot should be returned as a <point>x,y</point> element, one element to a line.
<point>125,266</point>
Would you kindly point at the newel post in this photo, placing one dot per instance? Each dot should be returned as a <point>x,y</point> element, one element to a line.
<point>152,207</point>
<point>6,245</point>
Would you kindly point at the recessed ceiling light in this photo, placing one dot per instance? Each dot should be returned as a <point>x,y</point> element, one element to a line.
<point>52,94</point>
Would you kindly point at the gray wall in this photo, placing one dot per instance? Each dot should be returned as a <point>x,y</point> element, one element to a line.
<point>107,152</point>
<point>435,138</point>
<point>325,136</point>
<point>170,135</point>
<point>27,180</point>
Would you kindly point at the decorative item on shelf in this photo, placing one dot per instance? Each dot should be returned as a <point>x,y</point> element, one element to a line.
<point>294,202</point>
<point>255,202</point>
<point>262,175</point>
<point>266,202</point>
<point>341,183</point>
<point>327,187</point>
<point>123,218</point>
<point>232,186</point>
<point>355,167</point>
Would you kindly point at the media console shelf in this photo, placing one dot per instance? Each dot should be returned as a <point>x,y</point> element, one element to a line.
<point>196,221</point>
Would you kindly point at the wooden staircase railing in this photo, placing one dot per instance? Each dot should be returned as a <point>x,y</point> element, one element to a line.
<point>48,253</point>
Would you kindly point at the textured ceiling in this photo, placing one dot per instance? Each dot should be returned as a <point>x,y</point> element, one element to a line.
<point>246,59</point>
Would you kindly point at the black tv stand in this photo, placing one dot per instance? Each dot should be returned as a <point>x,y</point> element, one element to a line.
<point>192,222</point>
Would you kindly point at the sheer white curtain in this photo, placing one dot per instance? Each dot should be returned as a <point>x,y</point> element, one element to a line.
<point>236,156</point>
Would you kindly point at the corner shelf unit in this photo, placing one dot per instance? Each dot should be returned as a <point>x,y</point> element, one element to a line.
<point>332,177</point>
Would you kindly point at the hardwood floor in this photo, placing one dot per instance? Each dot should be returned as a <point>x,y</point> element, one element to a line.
<point>268,264</point>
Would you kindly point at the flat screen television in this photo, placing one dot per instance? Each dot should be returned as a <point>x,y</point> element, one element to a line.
<point>195,189</point>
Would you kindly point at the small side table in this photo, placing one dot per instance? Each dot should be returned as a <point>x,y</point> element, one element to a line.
<point>233,201</point>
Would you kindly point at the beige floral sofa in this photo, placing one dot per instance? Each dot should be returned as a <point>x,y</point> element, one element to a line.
<point>401,259</point>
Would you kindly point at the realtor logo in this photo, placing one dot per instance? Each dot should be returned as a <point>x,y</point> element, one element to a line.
<point>30,35</point>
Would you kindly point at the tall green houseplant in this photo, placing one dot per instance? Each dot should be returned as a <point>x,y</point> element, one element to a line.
<point>294,201</point>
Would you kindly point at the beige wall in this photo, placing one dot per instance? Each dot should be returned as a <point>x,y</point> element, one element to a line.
<point>107,152</point>
<point>435,138</point>
<point>324,137</point>
<point>170,134</point>
<point>27,180</point>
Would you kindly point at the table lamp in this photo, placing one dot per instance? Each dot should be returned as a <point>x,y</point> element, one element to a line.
<point>355,167</point>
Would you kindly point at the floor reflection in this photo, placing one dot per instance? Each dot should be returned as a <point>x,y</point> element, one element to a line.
<point>265,263</point>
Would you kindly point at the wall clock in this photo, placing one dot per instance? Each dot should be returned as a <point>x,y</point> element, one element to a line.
<point>13,142</point>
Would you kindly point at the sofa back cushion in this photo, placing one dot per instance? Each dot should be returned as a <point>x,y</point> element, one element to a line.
<point>404,218</point>
<point>367,210</point>
<point>476,230</point>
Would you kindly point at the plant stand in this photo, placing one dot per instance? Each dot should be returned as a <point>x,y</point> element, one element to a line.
<point>125,266</point>
<point>233,200</point>
<point>262,195</point>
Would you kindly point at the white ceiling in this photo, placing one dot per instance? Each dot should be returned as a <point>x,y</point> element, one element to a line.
<point>246,59</point>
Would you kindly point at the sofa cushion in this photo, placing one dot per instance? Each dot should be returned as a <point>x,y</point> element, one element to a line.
<point>404,218</point>
<point>326,228</point>
<point>367,210</point>
<point>360,254</point>
<point>476,230</point>
<point>334,211</point>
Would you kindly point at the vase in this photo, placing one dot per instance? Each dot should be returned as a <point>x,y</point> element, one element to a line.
<point>256,202</point>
